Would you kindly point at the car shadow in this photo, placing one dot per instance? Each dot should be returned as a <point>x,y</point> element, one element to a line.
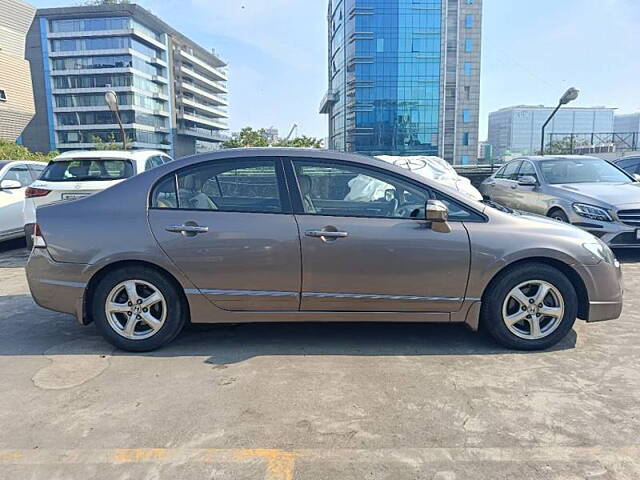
<point>30,330</point>
<point>13,253</point>
<point>628,255</point>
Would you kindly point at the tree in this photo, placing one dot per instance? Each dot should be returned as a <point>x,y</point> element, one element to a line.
<point>564,146</point>
<point>12,151</point>
<point>248,137</point>
<point>110,144</point>
<point>96,3</point>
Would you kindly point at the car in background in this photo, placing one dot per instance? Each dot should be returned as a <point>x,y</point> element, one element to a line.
<point>630,164</point>
<point>15,177</point>
<point>270,235</point>
<point>77,174</point>
<point>587,192</point>
<point>438,169</point>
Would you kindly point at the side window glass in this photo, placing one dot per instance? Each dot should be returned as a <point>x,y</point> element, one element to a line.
<point>36,171</point>
<point>511,171</point>
<point>341,190</point>
<point>20,174</point>
<point>164,195</point>
<point>500,173</point>
<point>238,186</point>
<point>527,170</point>
<point>458,212</point>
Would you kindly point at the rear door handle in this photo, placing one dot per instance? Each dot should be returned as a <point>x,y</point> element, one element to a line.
<point>325,234</point>
<point>187,229</point>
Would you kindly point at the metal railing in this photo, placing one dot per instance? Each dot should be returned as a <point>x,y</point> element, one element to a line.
<point>586,143</point>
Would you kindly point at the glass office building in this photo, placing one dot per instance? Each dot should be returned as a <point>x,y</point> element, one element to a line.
<point>172,94</point>
<point>404,77</point>
<point>518,130</point>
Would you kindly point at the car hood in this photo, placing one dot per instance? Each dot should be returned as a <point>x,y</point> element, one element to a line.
<point>613,194</point>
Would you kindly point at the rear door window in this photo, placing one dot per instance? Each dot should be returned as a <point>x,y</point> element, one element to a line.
<point>87,170</point>
<point>19,174</point>
<point>36,170</point>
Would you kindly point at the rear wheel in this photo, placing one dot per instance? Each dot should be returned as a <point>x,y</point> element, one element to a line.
<point>531,307</point>
<point>138,309</point>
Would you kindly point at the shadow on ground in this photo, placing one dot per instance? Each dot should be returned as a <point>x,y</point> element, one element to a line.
<point>30,330</point>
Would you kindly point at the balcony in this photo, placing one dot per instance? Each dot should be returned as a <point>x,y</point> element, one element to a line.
<point>218,73</point>
<point>203,133</point>
<point>204,108</point>
<point>216,99</point>
<point>203,121</point>
<point>328,101</point>
<point>204,81</point>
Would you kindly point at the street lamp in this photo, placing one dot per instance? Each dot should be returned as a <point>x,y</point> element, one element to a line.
<point>568,97</point>
<point>111,98</point>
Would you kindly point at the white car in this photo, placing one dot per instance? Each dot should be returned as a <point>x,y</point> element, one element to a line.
<point>15,177</point>
<point>78,174</point>
<point>438,169</point>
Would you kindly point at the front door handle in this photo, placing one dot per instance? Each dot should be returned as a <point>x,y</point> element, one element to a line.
<point>187,229</point>
<point>325,234</point>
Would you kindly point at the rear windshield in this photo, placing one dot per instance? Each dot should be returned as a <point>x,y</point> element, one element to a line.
<point>87,170</point>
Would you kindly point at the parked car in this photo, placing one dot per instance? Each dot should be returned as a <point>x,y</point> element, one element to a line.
<point>266,235</point>
<point>15,176</point>
<point>631,165</point>
<point>74,175</point>
<point>588,192</point>
<point>438,169</point>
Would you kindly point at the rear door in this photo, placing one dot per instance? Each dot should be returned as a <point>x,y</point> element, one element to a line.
<point>506,183</point>
<point>12,200</point>
<point>231,231</point>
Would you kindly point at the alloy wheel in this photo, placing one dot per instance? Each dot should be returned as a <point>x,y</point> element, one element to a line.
<point>533,310</point>
<point>136,309</point>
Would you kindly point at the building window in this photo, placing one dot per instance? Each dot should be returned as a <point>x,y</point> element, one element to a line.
<point>469,2</point>
<point>464,159</point>
<point>467,92</point>
<point>467,69</point>
<point>468,21</point>
<point>465,139</point>
<point>380,45</point>
<point>466,116</point>
<point>468,45</point>
<point>3,96</point>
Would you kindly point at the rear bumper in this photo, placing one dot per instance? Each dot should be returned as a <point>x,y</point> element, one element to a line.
<point>56,286</point>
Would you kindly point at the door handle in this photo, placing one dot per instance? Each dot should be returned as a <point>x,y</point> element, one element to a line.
<point>187,229</point>
<point>325,234</point>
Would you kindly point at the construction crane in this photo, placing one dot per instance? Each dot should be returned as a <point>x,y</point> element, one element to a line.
<point>294,128</point>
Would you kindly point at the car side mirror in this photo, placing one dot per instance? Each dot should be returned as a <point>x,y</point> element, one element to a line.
<point>438,214</point>
<point>527,181</point>
<point>10,185</point>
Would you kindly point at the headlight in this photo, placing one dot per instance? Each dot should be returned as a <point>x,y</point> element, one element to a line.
<point>601,252</point>
<point>594,213</point>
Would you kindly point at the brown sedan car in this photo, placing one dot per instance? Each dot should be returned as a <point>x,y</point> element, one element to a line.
<point>273,235</point>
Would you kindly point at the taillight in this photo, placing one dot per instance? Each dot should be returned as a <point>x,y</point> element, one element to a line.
<point>38,239</point>
<point>32,192</point>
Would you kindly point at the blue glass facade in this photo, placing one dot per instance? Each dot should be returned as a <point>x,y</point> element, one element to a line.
<point>395,68</point>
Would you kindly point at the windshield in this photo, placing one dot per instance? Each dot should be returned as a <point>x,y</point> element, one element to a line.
<point>583,170</point>
<point>87,170</point>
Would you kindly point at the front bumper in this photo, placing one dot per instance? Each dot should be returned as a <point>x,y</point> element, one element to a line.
<point>615,234</point>
<point>605,290</point>
<point>55,285</point>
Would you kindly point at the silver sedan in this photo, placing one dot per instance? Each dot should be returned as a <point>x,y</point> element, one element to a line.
<point>272,235</point>
<point>587,192</point>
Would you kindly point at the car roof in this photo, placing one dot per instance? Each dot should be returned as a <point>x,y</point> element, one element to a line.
<point>4,163</point>
<point>539,158</point>
<point>137,155</point>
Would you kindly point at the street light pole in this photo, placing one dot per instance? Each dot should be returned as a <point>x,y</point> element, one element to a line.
<point>568,97</point>
<point>112,102</point>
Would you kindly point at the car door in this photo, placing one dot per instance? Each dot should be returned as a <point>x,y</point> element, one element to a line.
<point>12,200</point>
<point>529,198</point>
<point>228,226</point>
<point>366,245</point>
<point>503,191</point>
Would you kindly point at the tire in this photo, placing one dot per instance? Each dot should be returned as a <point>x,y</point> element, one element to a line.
<point>559,215</point>
<point>499,303</point>
<point>169,314</point>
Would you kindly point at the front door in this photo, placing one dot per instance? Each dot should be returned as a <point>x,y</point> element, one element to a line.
<point>367,247</point>
<point>230,230</point>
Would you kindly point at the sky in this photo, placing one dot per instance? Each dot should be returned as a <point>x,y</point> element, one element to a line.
<point>533,50</point>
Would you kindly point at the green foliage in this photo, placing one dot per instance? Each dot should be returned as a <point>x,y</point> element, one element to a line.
<point>564,146</point>
<point>110,144</point>
<point>105,2</point>
<point>13,151</point>
<point>248,137</point>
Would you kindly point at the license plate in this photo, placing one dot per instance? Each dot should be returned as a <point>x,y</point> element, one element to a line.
<point>73,196</point>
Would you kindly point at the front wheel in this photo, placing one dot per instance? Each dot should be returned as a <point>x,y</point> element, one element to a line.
<point>138,309</point>
<point>531,307</point>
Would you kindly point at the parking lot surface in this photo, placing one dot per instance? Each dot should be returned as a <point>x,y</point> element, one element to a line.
<point>314,401</point>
